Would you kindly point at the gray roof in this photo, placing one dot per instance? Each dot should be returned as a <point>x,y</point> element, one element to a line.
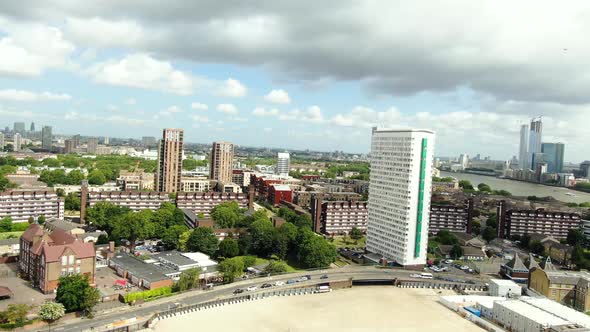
<point>531,263</point>
<point>467,250</point>
<point>141,269</point>
<point>547,265</point>
<point>173,258</point>
<point>516,264</point>
<point>566,277</point>
<point>7,242</point>
<point>63,225</point>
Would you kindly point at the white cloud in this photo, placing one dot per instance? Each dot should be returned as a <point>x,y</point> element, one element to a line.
<point>30,50</point>
<point>364,117</point>
<point>130,101</point>
<point>227,108</point>
<point>279,96</point>
<point>232,88</point>
<point>142,71</point>
<point>312,114</point>
<point>30,96</point>
<point>170,110</point>
<point>199,106</point>
<point>115,119</point>
<point>200,118</point>
<point>259,111</point>
<point>98,32</point>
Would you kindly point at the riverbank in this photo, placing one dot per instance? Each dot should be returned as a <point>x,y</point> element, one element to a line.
<point>356,309</point>
<point>524,189</point>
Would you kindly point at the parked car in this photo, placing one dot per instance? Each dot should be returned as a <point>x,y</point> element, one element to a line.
<point>266,286</point>
<point>291,281</point>
<point>238,291</point>
<point>302,279</point>
<point>325,276</point>
<point>308,276</point>
<point>464,267</point>
<point>279,283</point>
<point>449,261</point>
<point>251,288</point>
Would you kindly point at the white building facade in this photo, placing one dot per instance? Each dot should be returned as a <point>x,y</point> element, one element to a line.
<point>283,163</point>
<point>399,194</point>
<point>523,149</point>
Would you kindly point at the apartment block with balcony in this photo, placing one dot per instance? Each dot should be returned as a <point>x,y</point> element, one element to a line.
<point>205,202</point>
<point>341,217</point>
<point>21,205</point>
<point>450,217</point>
<point>134,200</point>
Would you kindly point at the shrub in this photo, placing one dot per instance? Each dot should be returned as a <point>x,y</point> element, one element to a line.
<point>147,295</point>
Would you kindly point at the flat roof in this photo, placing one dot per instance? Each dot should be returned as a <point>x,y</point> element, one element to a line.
<point>531,312</point>
<point>504,282</point>
<point>174,258</point>
<point>407,130</point>
<point>140,269</point>
<point>560,311</point>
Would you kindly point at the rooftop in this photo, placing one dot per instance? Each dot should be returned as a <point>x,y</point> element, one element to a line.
<point>503,282</point>
<point>140,269</point>
<point>531,312</point>
<point>560,311</point>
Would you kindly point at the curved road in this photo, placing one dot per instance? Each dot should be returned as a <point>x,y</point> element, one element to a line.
<point>193,297</point>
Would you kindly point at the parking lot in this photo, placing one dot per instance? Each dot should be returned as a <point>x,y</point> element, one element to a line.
<point>22,291</point>
<point>105,282</point>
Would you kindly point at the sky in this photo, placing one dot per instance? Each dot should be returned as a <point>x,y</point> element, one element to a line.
<point>301,74</point>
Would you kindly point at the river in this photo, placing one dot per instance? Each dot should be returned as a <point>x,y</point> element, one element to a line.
<point>519,188</point>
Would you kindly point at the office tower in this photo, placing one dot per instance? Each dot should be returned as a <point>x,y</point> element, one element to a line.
<point>92,145</point>
<point>19,127</point>
<point>17,142</point>
<point>553,156</point>
<point>535,136</point>
<point>464,161</point>
<point>523,155</point>
<point>32,130</point>
<point>399,194</point>
<point>168,172</point>
<point>46,138</point>
<point>76,139</point>
<point>69,146</point>
<point>106,140</point>
<point>283,162</point>
<point>148,141</point>
<point>1,141</point>
<point>222,160</point>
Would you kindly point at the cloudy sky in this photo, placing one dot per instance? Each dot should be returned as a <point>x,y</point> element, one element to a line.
<point>301,74</point>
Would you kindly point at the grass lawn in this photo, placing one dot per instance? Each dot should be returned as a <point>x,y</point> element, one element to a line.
<point>340,262</point>
<point>341,242</point>
<point>290,267</point>
<point>5,235</point>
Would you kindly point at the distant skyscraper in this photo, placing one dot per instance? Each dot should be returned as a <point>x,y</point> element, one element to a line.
<point>464,160</point>
<point>535,139</point>
<point>17,141</point>
<point>106,140</point>
<point>553,156</point>
<point>32,127</point>
<point>1,141</point>
<point>148,141</point>
<point>69,146</point>
<point>76,139</point>
<point>222,162</point>
<point>168,172</point>
<point>283,163</point>
<point>19,127</point>
<point>399,194</point>
<point>523,154</point>
<point>46,137</point>
<point>92,145</point>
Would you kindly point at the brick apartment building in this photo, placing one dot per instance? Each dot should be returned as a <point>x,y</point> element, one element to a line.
<point>454,218</point>
<point>47,255</point>
<point>21,205</point>
<point>205,202</point>
<point>341,217</point>
<point>305,198</point>
<point>278,193</point>
<point>134,200</point>
<point>519,222</point>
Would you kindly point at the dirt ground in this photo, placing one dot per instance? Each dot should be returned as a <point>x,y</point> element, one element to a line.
<point>23,292</point>
<point>357,309</point>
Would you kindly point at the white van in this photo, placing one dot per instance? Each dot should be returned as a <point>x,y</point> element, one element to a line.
<point>426,275</point>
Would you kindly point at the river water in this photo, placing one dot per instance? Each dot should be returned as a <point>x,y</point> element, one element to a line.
<point>519,188</point>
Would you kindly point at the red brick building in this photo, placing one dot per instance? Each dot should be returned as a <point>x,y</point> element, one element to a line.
<point>278,193</point>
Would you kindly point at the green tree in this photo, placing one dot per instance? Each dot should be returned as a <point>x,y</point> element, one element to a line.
<point>31,220</point>
<point>475,227</point>
<point>74,177</point>
<point>102,239</point>
<point>134,226</point>
<point>275,267</point>
<point>203,239</point>
<point>489,233</point>
<point>171,236</point>
<point>231,268</point>
<point>228,248</point>
<point>249,261</point>
<point>356,234</point>
<point>536,247</point>
<point>492,221</point>
<point>103,215</point>
<point>96,177</point>
<point>575,237</point>
<point>484,187</point>
<point>41,220</point>
<point>189,279</point>
<point>263,235</point>
<point>72,202</point>
<point>6,224</point>
<point>226,215</point>
<point>315,251</point>
<point>16,313</point>
<point>76,294</point>
<point>51,312</point>
<point>466,185</point>
<point>456,251</point>
<point>183,239</point>
<point>445,237</point>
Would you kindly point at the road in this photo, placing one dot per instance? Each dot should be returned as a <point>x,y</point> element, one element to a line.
<point>148,309</point>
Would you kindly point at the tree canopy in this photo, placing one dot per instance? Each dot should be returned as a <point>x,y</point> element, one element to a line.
<point>203,239</point>
<point>76,294</point>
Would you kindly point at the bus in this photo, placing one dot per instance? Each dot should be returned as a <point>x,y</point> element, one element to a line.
<point>324,289</point>
<point>426,275</point>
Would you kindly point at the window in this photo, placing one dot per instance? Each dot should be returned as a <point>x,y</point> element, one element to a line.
<point>77,269</point>
<point>70,271</point>
<point>63,272</point>
<point>72,259</point>
<point>64,260</point>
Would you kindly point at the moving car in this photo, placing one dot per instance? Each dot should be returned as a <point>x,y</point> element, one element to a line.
<point>302,279</point>
<point>279,283</point>
<point>266,286</point>
<point>251,288</point>
<point>238,291</point>
<point>291,281</point>
<point>325,276</point>
<point>415,275</point>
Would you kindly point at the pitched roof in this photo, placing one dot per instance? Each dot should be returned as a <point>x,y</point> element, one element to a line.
<point>81,250</point>
<point>467,251</point>
<point>531,262</point>
<point>516,263</point>
<point>32,231</point>
<point>547,265</point>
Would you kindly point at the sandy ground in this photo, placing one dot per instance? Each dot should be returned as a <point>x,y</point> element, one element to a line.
<point>357,309</point>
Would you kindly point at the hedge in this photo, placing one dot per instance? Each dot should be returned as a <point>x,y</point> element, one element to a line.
<point>147,295</point>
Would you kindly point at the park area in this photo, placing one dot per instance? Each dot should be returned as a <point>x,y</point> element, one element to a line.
<point>358,309</point>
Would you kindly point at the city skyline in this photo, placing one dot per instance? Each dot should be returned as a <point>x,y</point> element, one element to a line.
<point>317,93</point>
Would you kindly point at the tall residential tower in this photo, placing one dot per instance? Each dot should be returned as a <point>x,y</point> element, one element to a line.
<point>553,156</point>
<point>46,138</point>
<point>535,137</point>
<point>222,161</point>
<point>399,194</point>
<point>523,155</point>
<point>168,172</point>
<point>283,163</point>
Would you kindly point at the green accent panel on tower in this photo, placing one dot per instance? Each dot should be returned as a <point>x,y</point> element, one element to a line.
<point>418,239</point>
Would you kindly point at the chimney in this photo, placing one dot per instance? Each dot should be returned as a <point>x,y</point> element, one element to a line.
<point>111,246</point>
<point>83,201</point>
<point>250,196</point>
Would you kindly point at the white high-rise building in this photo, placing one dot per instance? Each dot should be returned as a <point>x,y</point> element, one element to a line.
<point>399,194</point>
<point>1,141</point>
<point>283,163</point>
<point>17,141</point>
<point>464,160</point>
<point>523,155</point>
<point>535,137</point>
